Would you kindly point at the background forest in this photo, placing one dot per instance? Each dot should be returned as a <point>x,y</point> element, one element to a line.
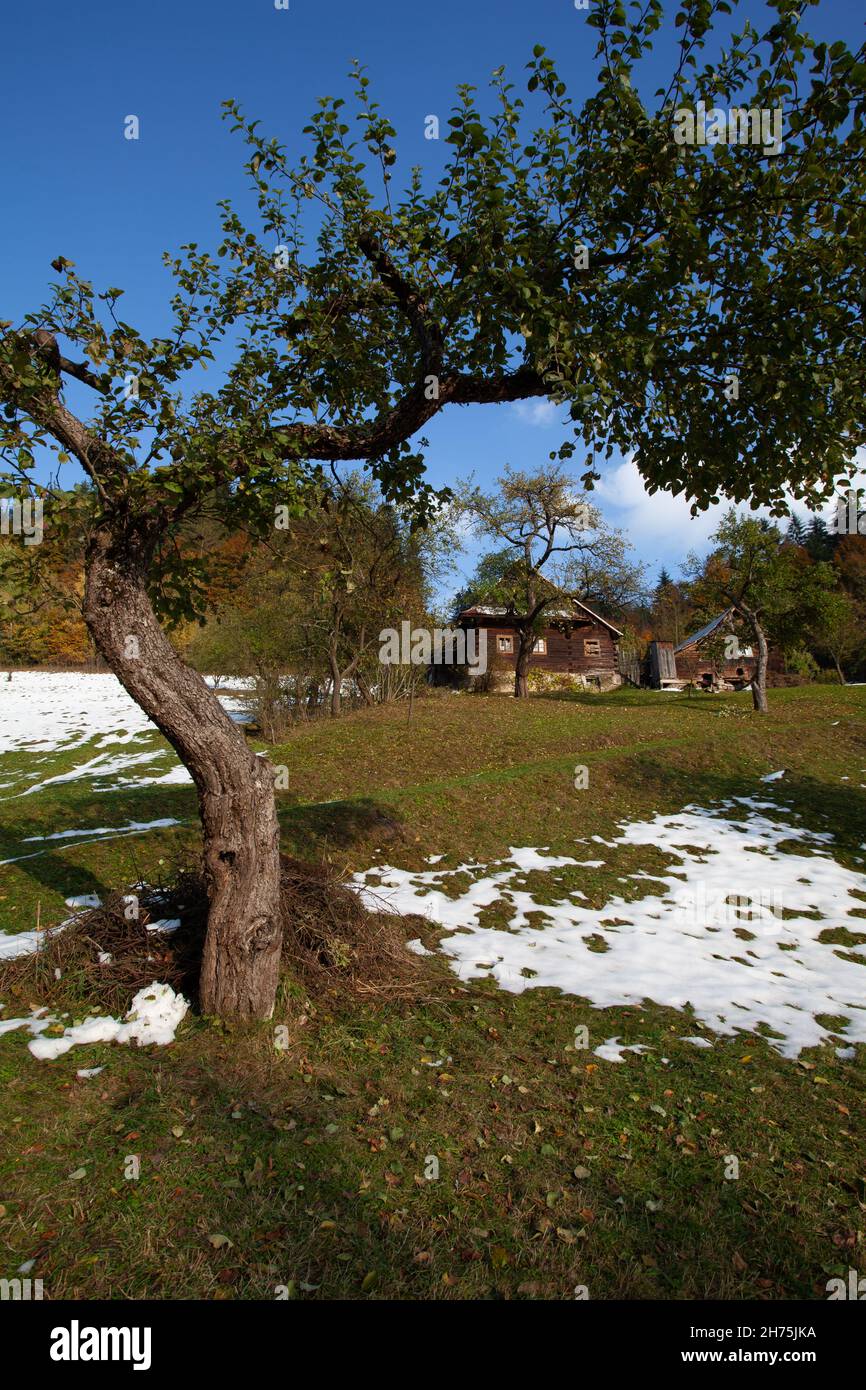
<point>300,612</point>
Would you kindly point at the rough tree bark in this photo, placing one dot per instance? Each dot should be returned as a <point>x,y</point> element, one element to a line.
<point>336,700</point>
<point>759,680</point>
<point>240,967</point>
<point>525,645</point>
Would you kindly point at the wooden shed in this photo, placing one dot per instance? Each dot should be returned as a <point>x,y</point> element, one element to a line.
<point>662,666</point>
<point>717,656</point>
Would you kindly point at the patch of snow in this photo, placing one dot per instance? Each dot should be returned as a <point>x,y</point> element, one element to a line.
<point>612,1049</point>
<point>43,711</point>
<point>104,829</point>
<point>773,776</point>
<point>729,929</point>
<point>20,943</point>
<point>37,1022</point>
<point>417,945</point>
<point>154,1017</point>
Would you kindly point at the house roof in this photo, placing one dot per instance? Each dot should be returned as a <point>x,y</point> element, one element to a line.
<point>479,610</point>
<point>705,630</point>
<point>597,616</point>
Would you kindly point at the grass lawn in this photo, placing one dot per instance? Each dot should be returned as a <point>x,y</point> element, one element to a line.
<point>313,1168</point>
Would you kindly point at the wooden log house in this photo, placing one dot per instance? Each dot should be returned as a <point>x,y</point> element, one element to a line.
<point>575,643</point>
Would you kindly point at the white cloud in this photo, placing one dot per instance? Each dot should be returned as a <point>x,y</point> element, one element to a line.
<point>660,526</point>
<point>540,413</point>
<point>658,523</point>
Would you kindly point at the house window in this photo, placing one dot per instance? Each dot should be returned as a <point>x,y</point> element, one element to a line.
<point>504,644</point>
<point>540,648</point>
<point>591,646</point>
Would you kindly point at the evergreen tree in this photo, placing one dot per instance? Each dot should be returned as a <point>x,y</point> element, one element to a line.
<point>818,542</point>
<point>664,583</point>
<point>796,532</point>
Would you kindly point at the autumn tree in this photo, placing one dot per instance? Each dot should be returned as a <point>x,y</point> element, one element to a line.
<point>840,632</point>
<point>776,590</point>
<point>306,618</point>
<point>586,255</point>
<point>42,590</point>
<point>557,547</point>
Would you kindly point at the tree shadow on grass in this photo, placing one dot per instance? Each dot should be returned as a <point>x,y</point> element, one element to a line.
<point>270,1147</point>
<point>48,862</point>
<point>841,810</point>
<point>308,831</point>
<point>311,830</point>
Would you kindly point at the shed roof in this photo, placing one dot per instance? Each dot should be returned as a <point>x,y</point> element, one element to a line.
<point>705,631</point>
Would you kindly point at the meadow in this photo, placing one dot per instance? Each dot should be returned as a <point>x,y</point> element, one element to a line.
<point>488,1138</point>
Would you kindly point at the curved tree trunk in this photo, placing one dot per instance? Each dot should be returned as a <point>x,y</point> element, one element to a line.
<point>759,680</point>
<point>240,967</point>
<point>525,644</point>
<point>336,685</point>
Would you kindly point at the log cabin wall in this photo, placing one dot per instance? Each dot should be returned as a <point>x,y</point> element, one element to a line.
<point>578,648</point>
<point>693,665</point>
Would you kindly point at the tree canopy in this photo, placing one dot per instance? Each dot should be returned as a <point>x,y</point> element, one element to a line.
<point>579,252</point>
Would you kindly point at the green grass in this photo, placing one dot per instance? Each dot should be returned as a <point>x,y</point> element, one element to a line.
<point>556,1169</point>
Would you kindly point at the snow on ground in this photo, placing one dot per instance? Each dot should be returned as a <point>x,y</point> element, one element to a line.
<point>745,964</point>
<point>43,711</point>
<point>153,1017</point>
<point>612,1049</point>
<point>101,832</point>
<point>731,928</point>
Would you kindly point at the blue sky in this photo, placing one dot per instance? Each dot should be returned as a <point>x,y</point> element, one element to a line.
<point>73,186</point>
